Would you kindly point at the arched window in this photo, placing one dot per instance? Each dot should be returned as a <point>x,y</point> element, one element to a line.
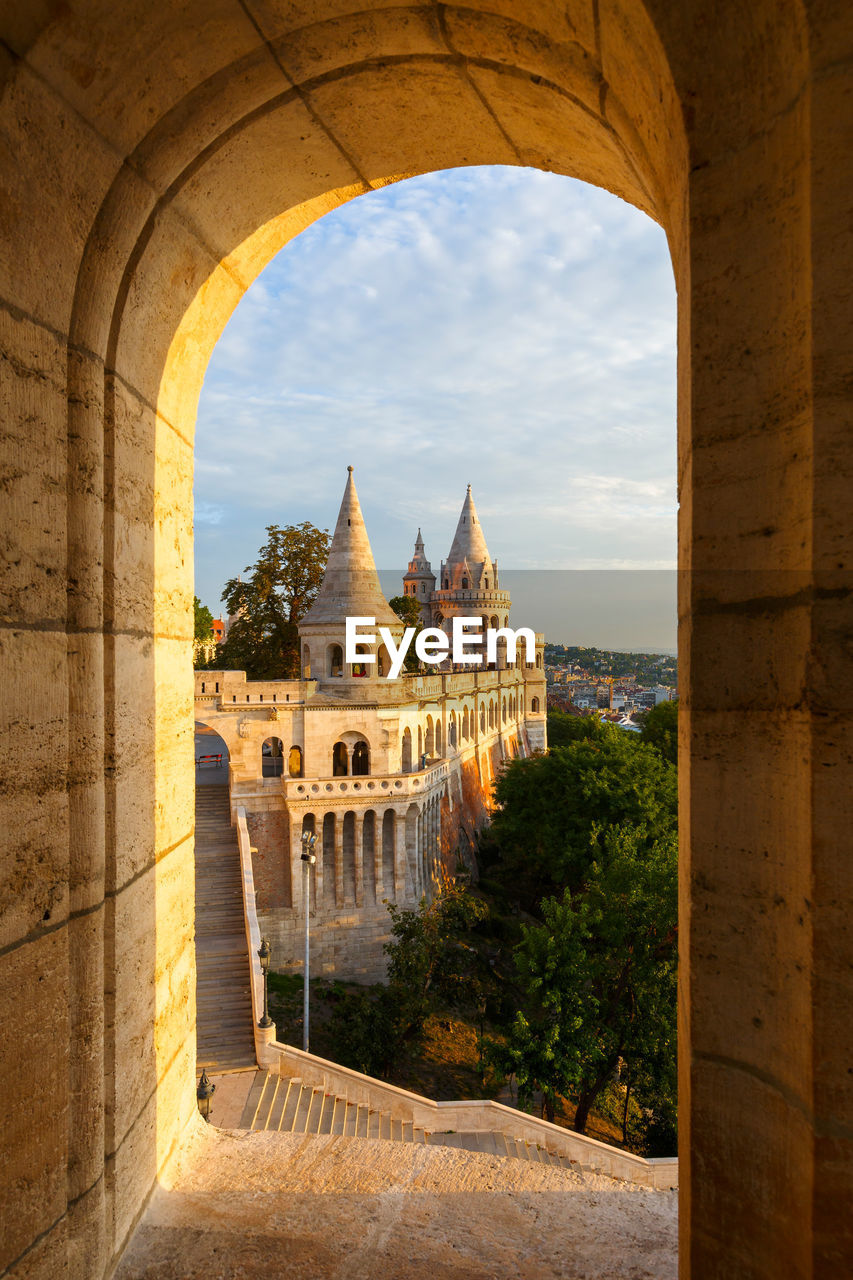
<point>420,745</point>
<point>294,762</point>
<point>465,725</point>
<point>340,760</point>
<point>464,584</point>
<point>504,711</point>
<point>306,662</point>
<point>406,754</point>
<point>383,664</point>
<point>534,705</point>
<point>539,659</point>
<point>487,584</point>
<point>272,758</point>
<point>491,715</point>
<point>482,717</point>
<point>360,759</point>
<point>438,737</point>
<point>451,735</point>
<point>429,740</point>
<point>336,660</point>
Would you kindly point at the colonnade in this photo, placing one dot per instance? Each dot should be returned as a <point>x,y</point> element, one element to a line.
<point>391,853</point>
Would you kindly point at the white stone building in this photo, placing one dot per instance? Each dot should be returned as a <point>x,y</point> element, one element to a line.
<point>392,775</point>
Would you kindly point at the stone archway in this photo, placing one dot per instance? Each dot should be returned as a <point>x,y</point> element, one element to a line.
<point>176,164</point>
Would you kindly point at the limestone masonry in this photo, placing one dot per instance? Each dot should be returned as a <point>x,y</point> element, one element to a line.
<point>392,775</point>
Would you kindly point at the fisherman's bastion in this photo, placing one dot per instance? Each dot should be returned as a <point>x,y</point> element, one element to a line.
<point>155,158</point>
<point>393,775</point>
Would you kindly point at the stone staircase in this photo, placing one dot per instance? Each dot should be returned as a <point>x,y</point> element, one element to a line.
<point>285,1104</point>
<point>224,1032</point>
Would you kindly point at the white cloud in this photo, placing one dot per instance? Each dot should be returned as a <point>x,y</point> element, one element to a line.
<point>506,327</point>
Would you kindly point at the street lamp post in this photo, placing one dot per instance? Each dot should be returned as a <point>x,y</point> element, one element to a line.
<point>264,953</point>
<point>308,860</point>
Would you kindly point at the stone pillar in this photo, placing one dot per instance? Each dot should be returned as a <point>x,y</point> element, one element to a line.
<point>419,850</point>
<point>358,856</point>
<point>297,876</point>
<point>399,856</point>
<point>378,827</point>
<point>339,858</point>
<point>317,885</point>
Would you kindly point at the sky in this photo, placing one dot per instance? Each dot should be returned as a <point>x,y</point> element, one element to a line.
<point>502,327</point>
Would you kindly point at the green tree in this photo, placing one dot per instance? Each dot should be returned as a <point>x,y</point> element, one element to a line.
<point>598,981</point>
<point>203,620</point>
<point>280,588</point>
<point>660,729</point>
<point>564,728</point>
<point>409,612</point>
<point>430,960</point>
<point>553,810</point>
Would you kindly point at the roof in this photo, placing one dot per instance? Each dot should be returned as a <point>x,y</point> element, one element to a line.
<point>469,542</point>
<point>350,585</point>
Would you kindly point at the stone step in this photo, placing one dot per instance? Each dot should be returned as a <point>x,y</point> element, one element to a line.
<point>288,1104</point>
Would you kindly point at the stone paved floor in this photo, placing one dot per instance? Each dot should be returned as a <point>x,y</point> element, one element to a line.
<point>241,1206</point>
<point>229,1100</point>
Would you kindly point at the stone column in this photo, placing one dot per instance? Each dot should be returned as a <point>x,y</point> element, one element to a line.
<point>339,858</point>
<point>317,885</point>
<point>296,872</point>
<point>419,852</point>
<point>358,856</point>
<point>399,856</point>
<point>378,827</point>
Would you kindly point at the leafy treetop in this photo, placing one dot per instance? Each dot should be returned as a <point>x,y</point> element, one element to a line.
<point>552,808</point>
<point>660,729</point>
<point>281,586</point>
<point>203,620</point>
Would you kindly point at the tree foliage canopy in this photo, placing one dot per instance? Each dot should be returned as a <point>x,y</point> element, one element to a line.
<point>564,728</point>
<point>553,809</point>
<point>429,960</point>
<point>598,980</point>
<point>203,620</point>
<point>408,611</point>
<point>280,588</point>
<point>660,729</point>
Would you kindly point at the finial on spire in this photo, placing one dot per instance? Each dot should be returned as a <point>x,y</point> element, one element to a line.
<point>349,469</point>
<point>469,488</point>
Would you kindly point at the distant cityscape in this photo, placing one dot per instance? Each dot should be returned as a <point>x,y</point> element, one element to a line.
<point>617,686</point>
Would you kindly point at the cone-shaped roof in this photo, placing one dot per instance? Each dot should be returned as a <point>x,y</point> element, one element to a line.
<point>469,543</point>
<point>350,584</point>
<point>419,565</point>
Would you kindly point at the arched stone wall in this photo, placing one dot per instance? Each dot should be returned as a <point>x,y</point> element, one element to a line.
<point>148,180</point>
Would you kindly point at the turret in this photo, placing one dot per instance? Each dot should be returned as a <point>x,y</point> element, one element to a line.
<point>350,588</point>
<point>420,580</point>
<point>468,583</point>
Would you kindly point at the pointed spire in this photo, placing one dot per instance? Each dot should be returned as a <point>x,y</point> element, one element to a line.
<point>350,584</point>
<point>419,562</point>
<point>468,542</point>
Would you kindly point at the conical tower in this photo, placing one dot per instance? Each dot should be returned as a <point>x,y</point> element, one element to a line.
<point>419,581</point>
<point>468,583</point>
<point>350,588</point>
<point>469,558</point>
